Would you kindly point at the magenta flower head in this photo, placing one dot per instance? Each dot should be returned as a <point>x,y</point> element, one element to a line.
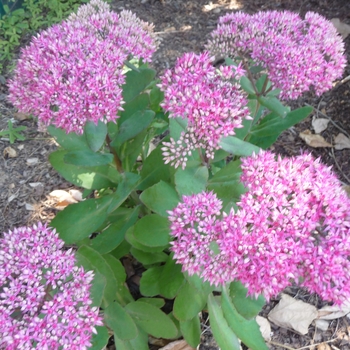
<point>44,298</point>
<point>72,72</point>
<point>209,99</point>
<point>298,54</point>
<point>292,225</point>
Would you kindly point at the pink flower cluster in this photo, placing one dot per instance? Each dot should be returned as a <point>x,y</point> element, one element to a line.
<point>44,298</point>
<point>212,104</point>
<point>297,54</point>
<point>72,72</point>
<point>292,224</point>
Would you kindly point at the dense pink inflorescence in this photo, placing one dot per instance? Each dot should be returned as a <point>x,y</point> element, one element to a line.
<point>212,104</point>
<point>44,298</point>
<point>298,54</point>
<point>72,72</point>
<point>291,225</point>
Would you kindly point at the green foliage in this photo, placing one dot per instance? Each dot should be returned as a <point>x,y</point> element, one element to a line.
<point>12,133</point>
<point>34,15</point>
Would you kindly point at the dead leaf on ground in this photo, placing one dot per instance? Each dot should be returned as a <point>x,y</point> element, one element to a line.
<point>342,28</point>
<point>62,199</point>
<point>21,116</point>
<point>265,327</point>
<point>314,140</point>
<point>333,312</point>
<point>341,142</point>
<point>319,124</point>
<point>177,345</point>
<point>323,346</point>
<point>322,325</point>
<point>293,314</point>
<point>32,161</point>
<point>10,152</point>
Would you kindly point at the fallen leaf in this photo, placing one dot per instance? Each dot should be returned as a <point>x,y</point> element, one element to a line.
<point>32,161</point>
<point>319,124</point>
<point>342,28</point>
<point>76,194</point>
<point>293,314</point>
<point>323,346</point>
<point>21,116</point>
<point>12,197</point>
<point>62,198</point>
<point>322,324</point>
<point>341,142</point>
<point>314,140</point>
<point>10,152</point>
<point>265,327</point>
<point>177,345</point>
<point>333,312</point>
<point>30,207</point>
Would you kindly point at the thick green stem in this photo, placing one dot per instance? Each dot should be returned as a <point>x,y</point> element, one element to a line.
<point>117,160</point>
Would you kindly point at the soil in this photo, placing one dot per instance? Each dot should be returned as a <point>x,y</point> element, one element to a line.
<point>183,26</point>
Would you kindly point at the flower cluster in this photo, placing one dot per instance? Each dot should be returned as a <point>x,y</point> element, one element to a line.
<point>44,297</point>
<point>210,100</point>
<point>72,72</point>
<point>297,54</point>
<point>291,225</point>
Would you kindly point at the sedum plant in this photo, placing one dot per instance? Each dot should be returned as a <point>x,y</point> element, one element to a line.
<point>177,175</point>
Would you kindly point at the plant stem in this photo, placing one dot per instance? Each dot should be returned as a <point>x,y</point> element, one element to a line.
<point>117,160</point>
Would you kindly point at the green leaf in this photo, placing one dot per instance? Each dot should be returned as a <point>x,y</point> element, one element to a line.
<point>152,320</point>
<point>223,334</point>
<point>274,105</point>
<point>271,126</point>
<point>123,295</point>
<point>247,306</point>
<point>148,258</point>
<point>247,85</point>
<point>78,221</point>
<point>111,237</point>
<point>191,331</point>
<point>125,187</point>
<point>99,340</point>
<point>176,127</point>
<point>149,283</point>
<point>154,170</point>
<point>156,96</point>
<point>87,158</point>
<point>95,178</point>
<point>238,147</point>
<point>71,141</point>
<point>138,122</point>
<point>256,111</point>
<point>139,103</point>
<point>160,198</point>
<point>189,302</point>
<point>99,282</point>
<point>129,236</point>
<point>226,183</point>
<point>139,343</point>
<point>246,330</point>
<point>191,180</point>
<point>261,82</point>
<point>120,322</point>
<point>171,278</point>
<point>152,231</point>
<point>95,134</point>
<point>136,82</point>
<point>157,302</point>
<point>101,265</point>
